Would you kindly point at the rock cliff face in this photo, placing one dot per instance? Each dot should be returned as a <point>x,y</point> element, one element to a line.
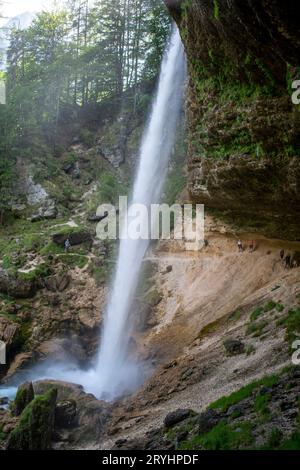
<point>244,130</point>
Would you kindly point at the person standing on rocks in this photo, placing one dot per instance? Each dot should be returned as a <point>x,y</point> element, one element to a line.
<point>67,245</point>
<point>240,246</point>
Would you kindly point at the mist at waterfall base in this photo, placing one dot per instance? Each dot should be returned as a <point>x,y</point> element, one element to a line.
<point>115,372</point>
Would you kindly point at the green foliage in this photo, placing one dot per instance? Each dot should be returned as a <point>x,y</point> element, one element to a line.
<point>225,402</point>
<point>108,188</point>
<point>39,272</point>
<point>256,329</point>
<point>292,324</point>
<point>216,10</point>
<point>34,430</point>
<point>250,350</point>
<point>87,137</point>
<point>261,403</point>
<point>222,437</point>
<point>256,313</point>
<point>293,443</point>
<point>74,260</point>
<point>269,306</point>
<point>72,58</point>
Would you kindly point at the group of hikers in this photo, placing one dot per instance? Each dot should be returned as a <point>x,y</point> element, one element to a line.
<point>287,260</point>
<point>242,247</point>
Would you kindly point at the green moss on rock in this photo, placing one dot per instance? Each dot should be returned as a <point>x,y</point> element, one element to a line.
<point>34,430</point>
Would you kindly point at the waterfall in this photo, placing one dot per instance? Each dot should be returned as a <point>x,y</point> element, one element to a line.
<point>117,372</point>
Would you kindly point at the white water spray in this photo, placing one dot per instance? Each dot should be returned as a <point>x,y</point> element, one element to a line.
<point>115,372</point>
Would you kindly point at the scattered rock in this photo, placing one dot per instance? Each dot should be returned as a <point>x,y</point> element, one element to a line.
<point>15,287</point>
<point>168,269</point>
<point>47,211</point>
<point>120,442</point>
<point>234,347</point>
<point>58,282</point>
<point>176,417</point>
<point>25,395</point>
<point>97,218</point>
<point>68,168</point>
<point>207,420</point>
<point>8,331</point>
<point>238,410</point>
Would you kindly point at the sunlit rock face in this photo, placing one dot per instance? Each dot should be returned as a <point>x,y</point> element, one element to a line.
<point>243,128</point>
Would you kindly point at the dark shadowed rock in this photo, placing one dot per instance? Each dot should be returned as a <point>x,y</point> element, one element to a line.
<point>207,420</point>
<point>65,414</point>
<point>76,238</point>
<point>92,415</point>
<point>97,218</point>
<point>15,287</point>
<point>58,282</point>
<point>176,417</point>
<point>234,347</point>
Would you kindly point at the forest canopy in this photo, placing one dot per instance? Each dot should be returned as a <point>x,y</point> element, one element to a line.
<point>72,58</point>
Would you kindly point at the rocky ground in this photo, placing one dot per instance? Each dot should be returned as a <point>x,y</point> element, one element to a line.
<point>209,323</point>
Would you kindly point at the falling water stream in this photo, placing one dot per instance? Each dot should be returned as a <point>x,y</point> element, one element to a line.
<point>115,372</point>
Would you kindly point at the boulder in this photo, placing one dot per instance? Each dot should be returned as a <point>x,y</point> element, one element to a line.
<point>76,238</point>
<point>234,347</point>
<point>66,414</point>
<point>25,395</point>
<point>68,168</point>
<point>59,282</point>
<point>97,218</point>
<point>176,417</point>
<point>168,269</point>
<point>47,211</point>
<point>92,415</point>
<point>207,420</point>
<point>9,331</point>
<point>36,425</point>
<point>15,287</point>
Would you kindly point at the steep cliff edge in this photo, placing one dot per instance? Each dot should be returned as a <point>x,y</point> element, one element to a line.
<point>243,129</point>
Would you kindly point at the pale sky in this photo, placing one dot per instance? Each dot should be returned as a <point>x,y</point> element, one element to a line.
<point>11,8</point>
